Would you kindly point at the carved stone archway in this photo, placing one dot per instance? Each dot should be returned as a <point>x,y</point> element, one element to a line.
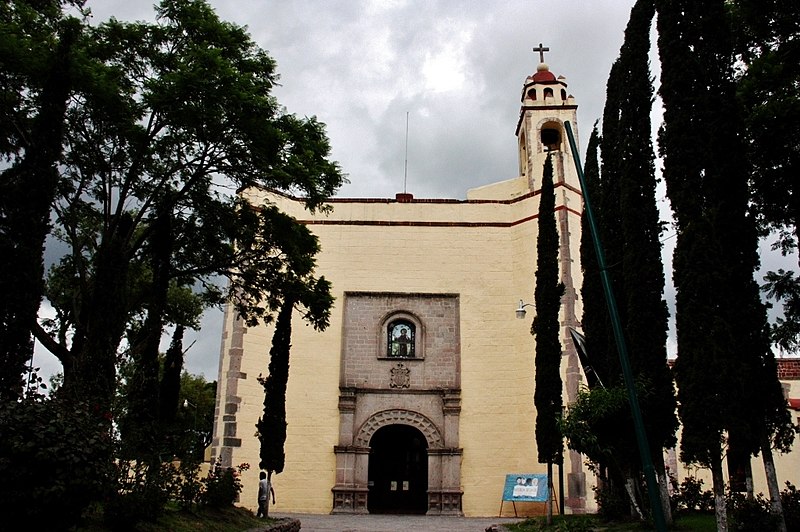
<point>351,491</point>
<point>399,417</point>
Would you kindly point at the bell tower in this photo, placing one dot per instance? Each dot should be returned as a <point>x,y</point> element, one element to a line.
<point>546,106</point>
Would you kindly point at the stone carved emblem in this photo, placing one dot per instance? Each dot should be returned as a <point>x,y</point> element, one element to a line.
<point>400,377</point>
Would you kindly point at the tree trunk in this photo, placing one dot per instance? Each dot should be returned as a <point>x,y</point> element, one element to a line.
<point>144,408</point>
<point>663,486</point>
<point>629,483</point>
<point>170,386</point>
<point>776,507</point>
<point>663,489</point>
<point>719,496</point>
<point>102,321</point>
<point>549,503</point>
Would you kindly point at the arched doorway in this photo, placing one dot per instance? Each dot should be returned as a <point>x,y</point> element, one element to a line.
<point>398,471</point>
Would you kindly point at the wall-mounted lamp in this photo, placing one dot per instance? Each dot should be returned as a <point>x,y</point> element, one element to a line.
<point>521,309</point>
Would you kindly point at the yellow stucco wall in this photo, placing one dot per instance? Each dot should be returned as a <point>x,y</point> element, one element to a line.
<point>480,250</point>
<point>484,250</point>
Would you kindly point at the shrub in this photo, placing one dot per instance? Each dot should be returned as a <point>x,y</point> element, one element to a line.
<point>187,487</point>
<point>691,497</point>
<point>790,498</point>
<point>749,514</point>
<point>140,496</point>
<point>222,486</point>
<point>611,503</point>
<point>55,460</point>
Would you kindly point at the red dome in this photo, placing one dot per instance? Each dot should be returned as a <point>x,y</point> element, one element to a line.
<point>544,76</point>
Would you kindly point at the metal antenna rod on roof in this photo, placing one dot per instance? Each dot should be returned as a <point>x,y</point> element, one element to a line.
<point>405,172</point>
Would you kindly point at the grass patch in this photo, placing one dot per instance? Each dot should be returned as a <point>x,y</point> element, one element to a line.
<point>173,519</point>
<point>592,523</point>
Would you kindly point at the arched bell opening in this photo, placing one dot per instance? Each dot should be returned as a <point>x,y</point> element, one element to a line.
<point>551,137</point>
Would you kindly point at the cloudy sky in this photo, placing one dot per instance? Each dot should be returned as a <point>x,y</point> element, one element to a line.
<point>452,70</point>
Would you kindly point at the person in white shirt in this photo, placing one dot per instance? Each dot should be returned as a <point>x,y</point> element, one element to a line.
<point>264,491</point>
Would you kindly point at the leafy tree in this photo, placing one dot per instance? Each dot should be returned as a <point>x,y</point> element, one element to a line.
<point>38,46</point>
<point>153,125</point>
<point>545,326</point>
<point>143,199</point>
<point>725,371</point>
<point>768,86</point>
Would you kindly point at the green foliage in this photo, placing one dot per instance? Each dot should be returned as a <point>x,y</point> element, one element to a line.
<point>561,523</point>
<point>745,514</point>
<point>630,230</point>
<point>547,299</point>
<point>38,44</point>
<point>595,320</point>
<point>725,371</point>
<point>195,416</point>
<point>152,126</point>
<point>690,496</point>
<point>785,286</point>
<point>178,519</point>
<point>52,457</point>
<point>768,89</point>
<point>790,500</point>
<point>222,486</point>
<point>612,502</point>
<point>750,515</point>
<point>138,498</point>
<point>591,424</point>
<point>271,426</point>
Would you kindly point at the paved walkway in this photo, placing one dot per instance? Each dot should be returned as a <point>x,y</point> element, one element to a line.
<point>394,523</point>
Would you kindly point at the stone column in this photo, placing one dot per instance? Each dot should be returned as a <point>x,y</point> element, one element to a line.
<point>350,491</point>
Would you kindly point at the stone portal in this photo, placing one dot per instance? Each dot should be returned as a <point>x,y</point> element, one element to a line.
<point>399,405</point>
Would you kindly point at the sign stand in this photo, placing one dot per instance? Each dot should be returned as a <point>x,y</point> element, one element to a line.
<point>525,487</point>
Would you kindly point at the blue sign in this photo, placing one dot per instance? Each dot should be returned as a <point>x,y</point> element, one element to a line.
<point>526,487</point>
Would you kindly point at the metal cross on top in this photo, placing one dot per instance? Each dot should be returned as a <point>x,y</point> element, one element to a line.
<point>541,49</point>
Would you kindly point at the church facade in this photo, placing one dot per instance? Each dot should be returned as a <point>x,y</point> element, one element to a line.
<point>418,397</point>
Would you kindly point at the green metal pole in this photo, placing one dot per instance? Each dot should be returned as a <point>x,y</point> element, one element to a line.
<point>622,348</point>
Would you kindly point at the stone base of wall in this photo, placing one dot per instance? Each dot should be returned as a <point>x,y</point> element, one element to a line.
<point>445,502</point>
<point>349,500</point>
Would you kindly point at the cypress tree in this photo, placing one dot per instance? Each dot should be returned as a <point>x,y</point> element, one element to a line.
<point>646,314</point>
<point>705,369</point>
<point>271,425</point>
<point>610,217</point>
<point>595,313</point>
<point>547,299</point>
<point>630,230</point>
<point>727,388</point>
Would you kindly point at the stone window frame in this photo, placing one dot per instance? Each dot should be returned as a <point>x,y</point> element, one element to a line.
<point>383,335</point>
